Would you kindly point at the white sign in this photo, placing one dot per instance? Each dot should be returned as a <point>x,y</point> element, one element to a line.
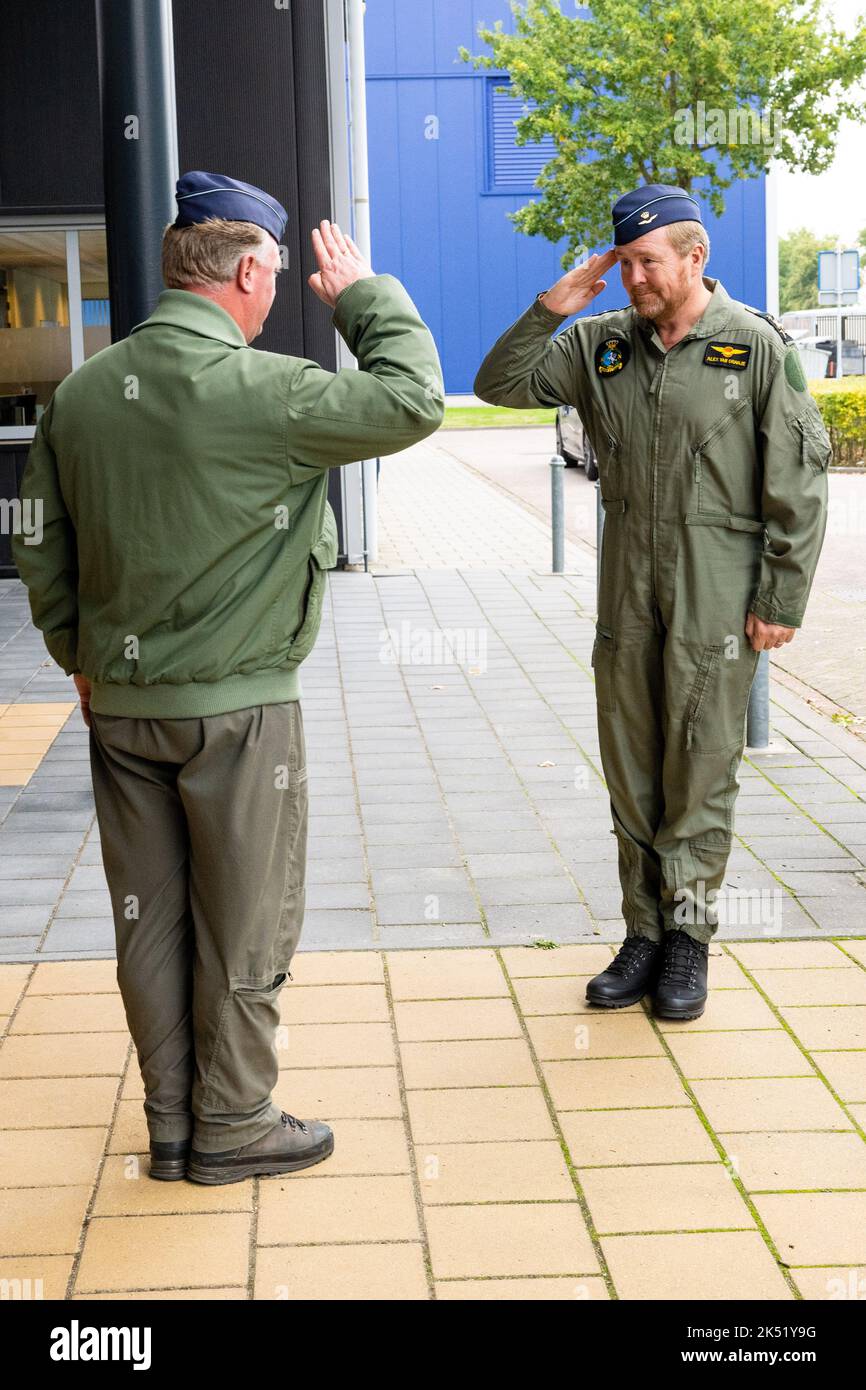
<point>828,266</point>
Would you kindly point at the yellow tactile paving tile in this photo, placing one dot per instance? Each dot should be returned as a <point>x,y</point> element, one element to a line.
<point>26,733</point>
<point>34,722</point>
<point>39,1276</point>
<point>694,1265</point>
<point>496,1139</point>
<point>553,1288</point>
<point>344,1272</point>
<point>143,1252</point>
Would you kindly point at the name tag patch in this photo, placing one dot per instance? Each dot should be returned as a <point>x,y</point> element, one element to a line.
<point>735,355</point>
<point>611,356</point>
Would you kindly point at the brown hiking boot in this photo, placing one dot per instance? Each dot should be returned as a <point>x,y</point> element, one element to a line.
<point>290,1145</point>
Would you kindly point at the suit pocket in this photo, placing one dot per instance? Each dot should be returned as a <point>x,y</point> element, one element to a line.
<point>814,441</point>
<point>725,463</point>
<point>323,557</point>
<point>604,665</point>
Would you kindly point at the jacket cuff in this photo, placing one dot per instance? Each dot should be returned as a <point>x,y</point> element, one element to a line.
<point>769,611</point>
<point>546,315</point>
<point>345,307</point>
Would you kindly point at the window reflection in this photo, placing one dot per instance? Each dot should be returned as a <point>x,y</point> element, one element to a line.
<point>41,336</point>
<point>94,290</point>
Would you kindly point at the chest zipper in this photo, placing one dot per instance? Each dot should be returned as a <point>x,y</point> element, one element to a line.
<point>657,386</point>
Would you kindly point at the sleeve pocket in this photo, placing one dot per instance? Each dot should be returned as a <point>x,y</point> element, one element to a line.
<point>815,446</point>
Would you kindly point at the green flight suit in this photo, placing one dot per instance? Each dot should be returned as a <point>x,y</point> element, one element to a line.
<point>713,465</point>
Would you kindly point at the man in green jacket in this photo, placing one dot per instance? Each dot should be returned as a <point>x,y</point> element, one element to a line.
<point>177,570</point>
<point>713,474</point>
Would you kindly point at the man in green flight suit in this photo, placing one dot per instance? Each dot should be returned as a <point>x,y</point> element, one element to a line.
<point>713,465</point>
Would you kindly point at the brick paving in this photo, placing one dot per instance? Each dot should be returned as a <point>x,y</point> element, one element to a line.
<point>462,887</point>
<point>496,1138</point>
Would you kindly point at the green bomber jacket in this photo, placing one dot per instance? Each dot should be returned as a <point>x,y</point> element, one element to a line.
<point>179,531</point>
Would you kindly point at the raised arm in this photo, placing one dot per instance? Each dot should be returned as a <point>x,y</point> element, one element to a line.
<point>525,367</point>
<point>397,395</point>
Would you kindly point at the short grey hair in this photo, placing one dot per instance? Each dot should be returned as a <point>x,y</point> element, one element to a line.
<point>207,253</point>
<point>684,235</point>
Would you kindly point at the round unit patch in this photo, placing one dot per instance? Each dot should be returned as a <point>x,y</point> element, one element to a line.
<point>794,369</point>
<point>611,356</point>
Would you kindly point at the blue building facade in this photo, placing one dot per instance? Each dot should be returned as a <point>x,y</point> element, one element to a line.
<point>445,172</point>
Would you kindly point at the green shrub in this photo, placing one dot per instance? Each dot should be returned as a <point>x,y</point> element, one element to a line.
<point>843,409</point>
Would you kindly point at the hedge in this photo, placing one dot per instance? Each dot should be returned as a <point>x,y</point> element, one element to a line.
<point>843,408</point>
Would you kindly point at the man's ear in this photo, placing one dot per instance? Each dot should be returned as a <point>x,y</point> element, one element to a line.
<point>244,273</point>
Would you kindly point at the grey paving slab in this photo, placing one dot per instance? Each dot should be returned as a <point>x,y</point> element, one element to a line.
<point>20,891</point>
<point>528,834</point>
<point>337,895</point>
<point>81,934</point>
<point>86,904</point>
<point>423,907</point>
<point>326,871</point>
<point>546,920</point>
<point>34,866</point>
<point>25,919</point>
<point>16,948</point>
<point>497,892</point>
<point>423,938</point>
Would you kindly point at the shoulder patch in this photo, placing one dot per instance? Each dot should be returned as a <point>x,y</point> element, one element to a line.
<point>771,319</point>
<point>602,313</point>
<point>794,373</point>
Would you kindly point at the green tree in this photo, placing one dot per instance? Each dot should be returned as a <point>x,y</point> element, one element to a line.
<point>798,268</point>
<point>669,91</point>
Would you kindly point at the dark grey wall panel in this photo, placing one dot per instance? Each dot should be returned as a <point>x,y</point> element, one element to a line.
<point>250,82</point>
<point>50,151</point>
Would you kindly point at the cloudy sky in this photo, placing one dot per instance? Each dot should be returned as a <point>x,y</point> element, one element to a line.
<point>834,203</point>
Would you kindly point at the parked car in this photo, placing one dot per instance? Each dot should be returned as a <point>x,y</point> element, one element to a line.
<point>853,356</point>
<point>572,442</point>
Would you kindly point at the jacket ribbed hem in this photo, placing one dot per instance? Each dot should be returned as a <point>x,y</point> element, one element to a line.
<point>196,699</point>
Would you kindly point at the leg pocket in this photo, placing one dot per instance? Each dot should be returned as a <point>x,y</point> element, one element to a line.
<point>604,665</point>
<point>715,712</point>
<point>243,1069</point>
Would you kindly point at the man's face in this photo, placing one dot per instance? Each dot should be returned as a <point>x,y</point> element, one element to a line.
<point>656,278</point>
<point>264,276</point>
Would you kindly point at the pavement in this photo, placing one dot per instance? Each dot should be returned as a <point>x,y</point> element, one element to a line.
<point>494,1139</point>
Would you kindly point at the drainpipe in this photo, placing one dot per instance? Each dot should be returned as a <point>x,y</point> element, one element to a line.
<point>139,142</point>
<point>361,222</point>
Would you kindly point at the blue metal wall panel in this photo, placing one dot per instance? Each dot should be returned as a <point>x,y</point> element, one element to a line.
<point>437,223</point>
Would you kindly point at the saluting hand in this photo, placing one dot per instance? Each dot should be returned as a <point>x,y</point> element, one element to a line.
<point>579,287</point>
<point>339,260</point>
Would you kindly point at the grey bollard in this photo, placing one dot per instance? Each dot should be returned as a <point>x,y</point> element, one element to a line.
<point>758,713</point>
<point>599,536</point>
<point>557,512</point>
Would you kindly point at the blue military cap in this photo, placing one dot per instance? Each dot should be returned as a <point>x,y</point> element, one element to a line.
<point>200,196</point>
<point>650,206</point>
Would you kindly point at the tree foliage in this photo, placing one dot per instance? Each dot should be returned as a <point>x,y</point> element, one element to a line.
<point>798,269</point>
<point>663,91</point>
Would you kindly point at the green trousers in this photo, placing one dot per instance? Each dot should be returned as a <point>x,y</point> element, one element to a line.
<point>673,672</point>
<point>203,824</point>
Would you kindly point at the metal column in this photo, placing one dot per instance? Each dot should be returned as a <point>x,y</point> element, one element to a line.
<point>139,141</point>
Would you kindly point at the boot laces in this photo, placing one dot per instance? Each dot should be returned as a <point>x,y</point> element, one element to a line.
<point>292,1122</point>
<point>682,955</point>
<point>631,954</point>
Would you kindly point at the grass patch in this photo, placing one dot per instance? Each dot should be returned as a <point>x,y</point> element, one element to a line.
<point>830,385</point>
<point>469,417</point>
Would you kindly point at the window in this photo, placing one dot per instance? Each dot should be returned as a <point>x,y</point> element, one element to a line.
<point>511,168</point>
<point>53,315</point>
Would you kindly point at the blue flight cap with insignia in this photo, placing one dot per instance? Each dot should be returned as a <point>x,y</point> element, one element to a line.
<point>650,206</point>
<point>200,196</point>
